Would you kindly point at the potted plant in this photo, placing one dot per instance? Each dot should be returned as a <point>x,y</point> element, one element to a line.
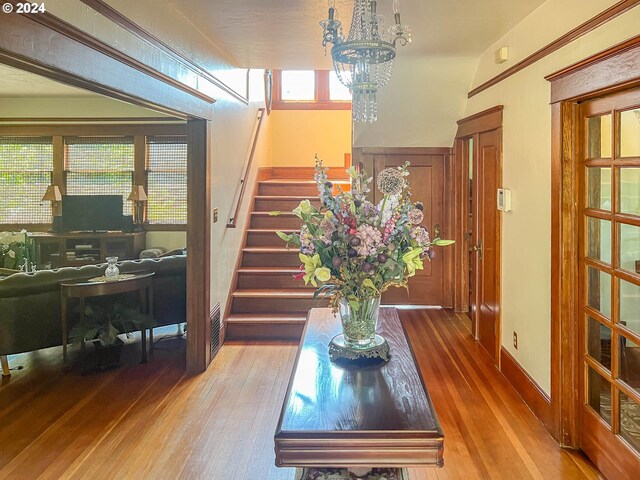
<point>101,326</point>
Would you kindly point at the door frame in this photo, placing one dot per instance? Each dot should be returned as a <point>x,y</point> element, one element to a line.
<point>471,127</point>
<point>64,53</point>
<point>609,71</point>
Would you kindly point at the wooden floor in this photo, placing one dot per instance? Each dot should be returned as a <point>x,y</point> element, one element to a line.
<point>151,422</point>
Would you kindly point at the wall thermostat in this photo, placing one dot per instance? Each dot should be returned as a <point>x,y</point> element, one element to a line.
<point>504,200</point>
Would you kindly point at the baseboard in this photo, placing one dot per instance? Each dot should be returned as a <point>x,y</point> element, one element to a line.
<point>535,398</point>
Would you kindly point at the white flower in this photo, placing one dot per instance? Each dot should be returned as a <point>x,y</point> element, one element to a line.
<point>389,206</point>
<point>12,254</point>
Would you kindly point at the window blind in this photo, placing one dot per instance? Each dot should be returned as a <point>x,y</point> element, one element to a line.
<point>26,165</point>
<point>100,166</point>
<point>167,179</point>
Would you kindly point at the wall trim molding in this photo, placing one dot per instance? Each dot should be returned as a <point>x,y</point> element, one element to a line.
<point>127,24</point>
<point>582,29</point>
<point>71,31</point>
<point>534,397</point>
<point>404,150</point>
<point>92,120</point>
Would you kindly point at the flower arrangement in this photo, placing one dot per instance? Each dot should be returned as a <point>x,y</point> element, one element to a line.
<point>354,250</point>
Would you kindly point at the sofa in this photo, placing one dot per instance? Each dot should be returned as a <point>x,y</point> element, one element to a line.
<point>30,302</point>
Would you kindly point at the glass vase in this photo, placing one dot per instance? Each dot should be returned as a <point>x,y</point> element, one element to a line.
<point>359,321</point>
<point>112,270</point>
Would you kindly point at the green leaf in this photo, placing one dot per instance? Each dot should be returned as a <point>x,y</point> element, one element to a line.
<point>368,283</point>
<point>287,238</point>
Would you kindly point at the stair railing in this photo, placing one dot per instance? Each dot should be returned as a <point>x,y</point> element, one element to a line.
<point>237,201</point>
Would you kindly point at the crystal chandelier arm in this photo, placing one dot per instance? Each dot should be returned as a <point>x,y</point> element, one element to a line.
<point>399,33</point>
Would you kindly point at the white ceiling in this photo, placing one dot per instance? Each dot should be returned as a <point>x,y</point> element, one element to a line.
<point>286,33</point>
<point>18,83</point>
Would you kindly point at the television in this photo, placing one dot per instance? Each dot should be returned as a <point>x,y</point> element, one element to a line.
<point>91,213</point>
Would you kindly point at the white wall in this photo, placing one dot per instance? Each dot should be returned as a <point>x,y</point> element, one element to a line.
<point>420,105</point>
<point>526,231</point>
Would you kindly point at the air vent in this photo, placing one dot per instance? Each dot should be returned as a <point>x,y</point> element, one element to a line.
<point>216,326</point>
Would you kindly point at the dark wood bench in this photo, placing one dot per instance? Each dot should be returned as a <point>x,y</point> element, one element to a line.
<point>356,418</point>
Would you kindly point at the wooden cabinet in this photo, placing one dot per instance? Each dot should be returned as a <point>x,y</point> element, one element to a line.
<point>55,250</point>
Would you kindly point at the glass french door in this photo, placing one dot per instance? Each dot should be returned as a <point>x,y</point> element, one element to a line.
<point>610,278</point>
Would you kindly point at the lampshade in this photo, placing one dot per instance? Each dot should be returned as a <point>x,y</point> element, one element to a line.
<point>137,194</point>
<point>52,194</point>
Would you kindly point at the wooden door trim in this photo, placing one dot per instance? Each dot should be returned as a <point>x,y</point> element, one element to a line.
<point>472,126</point>
<point>565,359</point>
<point>489,119</point>
<point>30,45</point>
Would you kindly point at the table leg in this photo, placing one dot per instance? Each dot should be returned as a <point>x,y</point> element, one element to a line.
<point>5,366</point>
<point>63,320</point>
<point>150,312</point>
<point>143,332</point>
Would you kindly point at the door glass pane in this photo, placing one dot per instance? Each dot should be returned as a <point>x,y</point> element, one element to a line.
<point>599,136</point>
<point>629,363</point>
<point>599,291</point>
<point>629,190</point>
<point>630,133</point>
<point>599,188</point>
<point>629,295</point>
<point>630,421</point>
<point>630,248</point>
<point>599,239</point>
<point>599,394</point>
<point>599,343</point>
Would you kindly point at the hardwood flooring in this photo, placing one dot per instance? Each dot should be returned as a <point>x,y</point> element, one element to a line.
<point>152,422</point>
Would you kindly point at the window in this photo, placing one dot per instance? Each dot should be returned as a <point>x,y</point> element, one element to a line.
<point>337,91</point>
<point>298,85</point>
<point>100,166</point>
<point>167,179</point>
<point>26,165</point>
<point>309,90</point>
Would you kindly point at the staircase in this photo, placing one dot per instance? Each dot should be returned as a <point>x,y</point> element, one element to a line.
<point>267,303</point>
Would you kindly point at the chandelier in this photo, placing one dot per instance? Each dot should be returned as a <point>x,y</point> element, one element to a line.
<point>364,61</point>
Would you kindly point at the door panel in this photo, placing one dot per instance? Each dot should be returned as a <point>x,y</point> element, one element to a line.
<point>487,257</point>
<point>426,179</point>
<point>609,286</point>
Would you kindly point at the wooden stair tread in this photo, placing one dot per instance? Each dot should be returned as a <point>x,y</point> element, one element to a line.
<point>268,214</point>
<point>274,269</point>
<point>271,293</point>
<point>289,181</point>
<point>285,197</point>
<point>266,317</point>
<point>269,250</point>
<point>271,230</point>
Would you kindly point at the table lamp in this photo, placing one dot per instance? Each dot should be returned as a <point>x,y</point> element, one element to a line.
<point>54,196</point>
<point>138,196</point>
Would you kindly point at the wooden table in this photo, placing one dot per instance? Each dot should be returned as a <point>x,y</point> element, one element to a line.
<point>141,282</point>
<point>356,418</point>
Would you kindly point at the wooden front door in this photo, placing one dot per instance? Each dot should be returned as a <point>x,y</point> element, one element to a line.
<point>485,249</point>
<point>608,176</point>
<point>427,180</point>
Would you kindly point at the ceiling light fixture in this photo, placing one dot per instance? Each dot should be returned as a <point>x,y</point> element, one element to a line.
<point>364,61</point>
